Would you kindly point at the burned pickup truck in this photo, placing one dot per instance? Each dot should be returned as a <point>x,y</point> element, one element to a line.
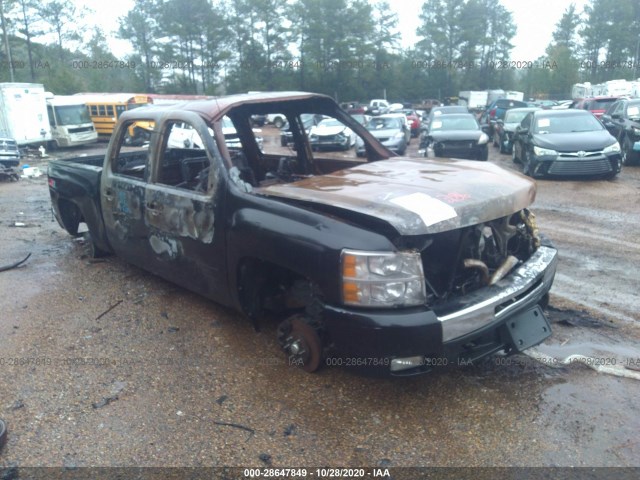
<point>392,264</point>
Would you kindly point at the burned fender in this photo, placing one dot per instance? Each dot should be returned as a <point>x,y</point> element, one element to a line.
<point>304,242</point>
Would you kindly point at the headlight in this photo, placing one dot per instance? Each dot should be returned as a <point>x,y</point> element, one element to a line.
<point>613,148</point>
<point>636,131</point>
<point>543,151</point>
<point>313,137</point>
<point>374,279</point>
<point>483,139</point>
<point>398,136</point>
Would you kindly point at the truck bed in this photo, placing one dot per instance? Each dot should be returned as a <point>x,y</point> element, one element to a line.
<point>93,160</point>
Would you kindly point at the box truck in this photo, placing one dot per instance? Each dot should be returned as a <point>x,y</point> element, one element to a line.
<point>473,100</point>
<point>23,113</point>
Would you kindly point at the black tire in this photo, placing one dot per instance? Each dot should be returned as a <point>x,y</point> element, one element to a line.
<point>526,165</point>
<point>484,156</point>
<point>94,250</point>
<point>278,122</point>
<point>514,158</point>
<point>629,157</point>
<point>501,147</point>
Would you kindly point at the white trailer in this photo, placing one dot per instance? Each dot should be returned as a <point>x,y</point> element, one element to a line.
<point>617,88</point>
<point>70,122</point>
<point>611,88</point>
<point>494,95</point>
<point>23,112</point>
<point>473,100</point>
<point>514,95</point>
<point>581,90</point>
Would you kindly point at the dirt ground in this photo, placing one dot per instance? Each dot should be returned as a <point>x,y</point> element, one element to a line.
<point>102,364</point>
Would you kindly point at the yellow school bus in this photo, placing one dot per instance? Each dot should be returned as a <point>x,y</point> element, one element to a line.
<point>105,108</point>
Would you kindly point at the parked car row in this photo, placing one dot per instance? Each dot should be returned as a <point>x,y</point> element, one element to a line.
<point>496,111</point>
<point>546,141</point>
<point>395,129</point>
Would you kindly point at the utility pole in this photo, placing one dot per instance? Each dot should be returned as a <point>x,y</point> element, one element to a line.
<point>7,48</point>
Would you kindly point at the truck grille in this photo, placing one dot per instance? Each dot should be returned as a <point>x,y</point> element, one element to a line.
<point>81,129</point>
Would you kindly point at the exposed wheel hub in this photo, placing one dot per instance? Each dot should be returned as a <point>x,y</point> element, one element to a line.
<point>301,343</point>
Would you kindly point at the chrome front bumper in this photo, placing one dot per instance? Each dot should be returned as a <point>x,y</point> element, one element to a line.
<point>523,287</point>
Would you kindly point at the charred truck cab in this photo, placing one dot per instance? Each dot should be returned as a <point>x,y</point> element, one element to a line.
<point>390,264</point>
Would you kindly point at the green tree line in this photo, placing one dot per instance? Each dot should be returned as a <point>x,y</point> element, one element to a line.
<point>349,49</point>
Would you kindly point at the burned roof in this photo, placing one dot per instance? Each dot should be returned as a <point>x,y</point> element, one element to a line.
<point>257,103</point>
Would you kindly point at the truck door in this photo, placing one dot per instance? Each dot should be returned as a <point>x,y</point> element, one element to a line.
<point>123,182</point>
<point>182,204</point>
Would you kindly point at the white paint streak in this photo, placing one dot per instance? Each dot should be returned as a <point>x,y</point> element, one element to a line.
<point>429,209</point>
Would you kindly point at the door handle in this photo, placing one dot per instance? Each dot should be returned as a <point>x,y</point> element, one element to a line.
<point>108,194</point>
<point>154,208</point>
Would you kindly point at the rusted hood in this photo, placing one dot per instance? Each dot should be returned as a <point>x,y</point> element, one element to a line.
<point>417,196</point>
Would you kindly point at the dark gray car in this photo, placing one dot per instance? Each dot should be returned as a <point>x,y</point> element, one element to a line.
<point>565,143</point>
<point>9,151</point>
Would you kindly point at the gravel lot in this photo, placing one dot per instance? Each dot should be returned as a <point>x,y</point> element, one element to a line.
<point>102,364</point>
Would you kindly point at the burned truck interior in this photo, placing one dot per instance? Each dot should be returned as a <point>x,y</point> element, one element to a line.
<point>274,163</point>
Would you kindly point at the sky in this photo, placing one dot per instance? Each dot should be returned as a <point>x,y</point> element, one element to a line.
<point>535,21</point>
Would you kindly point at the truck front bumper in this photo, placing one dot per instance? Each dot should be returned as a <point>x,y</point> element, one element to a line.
<point>458,332</point>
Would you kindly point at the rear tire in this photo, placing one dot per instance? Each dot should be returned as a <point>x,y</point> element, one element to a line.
<point>94,250</point>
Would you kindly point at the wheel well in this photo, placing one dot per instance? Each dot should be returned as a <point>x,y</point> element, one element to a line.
<point>70,215</point>
<point>266,289</point>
